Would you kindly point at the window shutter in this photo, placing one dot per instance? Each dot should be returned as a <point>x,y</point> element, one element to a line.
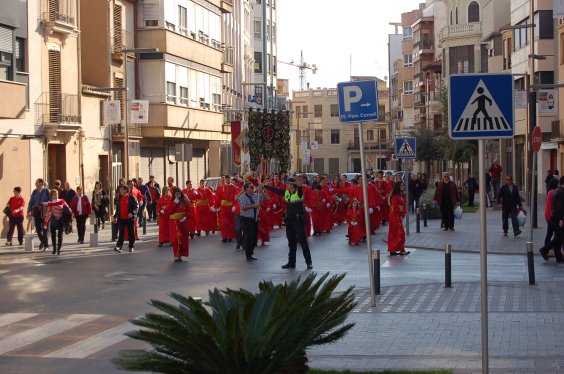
<point>6,39</point>
<point>54,86</point>
<point>151,13</point>
<point>119,95</point>
<point>118,34</point>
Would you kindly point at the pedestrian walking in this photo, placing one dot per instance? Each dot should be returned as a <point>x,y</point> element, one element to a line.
<point>396,232</point>
<point>446,196</point>
<point>353,217</point>
<point>155,193</point>
<point>124,216</point>
<point>81,209</point>
<point>164,218</point>
<point>54,219</point>
<point>179,213</point>
<point>547,179</point>
<point>495,172</point>
<point>552,186</point>
<point>143,204</point>
<point>557,222</point>
<point>294,220</point>
<point>471,185</point>
<point>36,210</point>
<point>67,194</point>
<point>15,215</point>
<point>100,203</point>
<point>249,203</point>
<point>225,203</point>
<point>508,200</point>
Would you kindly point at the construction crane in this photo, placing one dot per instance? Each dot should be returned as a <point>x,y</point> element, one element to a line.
<point>302,66</point>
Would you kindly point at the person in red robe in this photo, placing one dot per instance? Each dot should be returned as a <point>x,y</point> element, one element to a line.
<point>396,232</point>
<point>264,223</point>
<point>206,217</point>
<point>225,204</point>
<point>373,207</point>
<point>163,218</point>
<point>355,192</point>
<point>192,194</point>
<point>318,197</point>
<point>327,218</point>
<point>178,210</point>
<point>354,216</point>
<point>278,204</point>
<point>341,200</point>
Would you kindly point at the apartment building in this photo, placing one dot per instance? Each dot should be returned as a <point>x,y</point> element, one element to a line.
<point>262,89</point>
<point>327,145</point>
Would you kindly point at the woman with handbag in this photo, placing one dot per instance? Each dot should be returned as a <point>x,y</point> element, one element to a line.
<point>15,211</point>
<point>100,202</point>
<point>54,220</point>
<point>81,209</point>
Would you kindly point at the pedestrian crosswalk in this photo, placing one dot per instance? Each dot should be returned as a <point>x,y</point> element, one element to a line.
<point>481,124</point>
<point>72,336</point>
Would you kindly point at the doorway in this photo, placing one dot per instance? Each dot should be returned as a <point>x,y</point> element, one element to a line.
<point>57,163</point>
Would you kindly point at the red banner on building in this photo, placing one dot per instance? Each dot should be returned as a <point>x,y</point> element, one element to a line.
<point>235,131</point>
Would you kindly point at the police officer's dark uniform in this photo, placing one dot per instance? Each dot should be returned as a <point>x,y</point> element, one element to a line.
<point>294,221</point>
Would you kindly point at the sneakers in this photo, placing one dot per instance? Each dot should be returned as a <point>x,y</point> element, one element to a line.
<point>9,243</point>
<point>518,232</point>
<point>288,266</point>
<point>309,266</point>
<point>117,249</point>
<point>251,258</point>
<point>131,250</point>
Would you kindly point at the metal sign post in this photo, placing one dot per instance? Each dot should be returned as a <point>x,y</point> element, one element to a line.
<point>406,149</point>
<point>536,140</point>
<point>483,258</point>
<point>406,174</point>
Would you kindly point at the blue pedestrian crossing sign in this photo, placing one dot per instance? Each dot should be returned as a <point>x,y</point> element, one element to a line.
<point>481,106</point>
<point>358,101</point>
<point>406,148</point>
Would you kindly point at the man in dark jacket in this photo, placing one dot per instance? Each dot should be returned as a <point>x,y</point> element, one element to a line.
<point>126,210</point>
<point>146,192</point>
<point>508,199</point>
<point>446,196</point>
<point>557,222</point>
<point>471,185</point>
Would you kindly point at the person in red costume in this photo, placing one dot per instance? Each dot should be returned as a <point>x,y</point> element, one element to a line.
<point>396,232</point>
<point>384,186</point>
<point>327,221</point>
<point>354,216</point>
<point>178,210</point>
<point>355,192</point>
<point>264,223</point>
<point>205,211</point>
<point>225,203</point>
<point>373,208</point>
<point>192,194</point>
<point>162,205</point>
<point>340,198</point>
<point>278,205</point>
<point>318,210</point>
<point>308,203</point>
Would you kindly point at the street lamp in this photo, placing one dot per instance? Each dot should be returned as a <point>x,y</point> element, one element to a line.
<point>125,53</point>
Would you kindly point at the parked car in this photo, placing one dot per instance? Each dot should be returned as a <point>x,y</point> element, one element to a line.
<point>212,183</point>
<point>309,176</point>
<point>351,176</point>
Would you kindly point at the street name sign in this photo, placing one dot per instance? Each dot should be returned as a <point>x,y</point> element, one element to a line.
<point>358,101</point>
<point>481,106</point>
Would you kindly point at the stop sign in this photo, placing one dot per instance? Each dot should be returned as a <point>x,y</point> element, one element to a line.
<point>536,139</point>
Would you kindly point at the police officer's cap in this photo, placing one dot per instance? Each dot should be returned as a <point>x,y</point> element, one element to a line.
<point>290,181</point>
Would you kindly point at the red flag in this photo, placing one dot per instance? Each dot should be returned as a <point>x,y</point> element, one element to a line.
<point>235,131</point>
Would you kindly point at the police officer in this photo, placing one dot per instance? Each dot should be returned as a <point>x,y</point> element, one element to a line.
<point>294,220</point>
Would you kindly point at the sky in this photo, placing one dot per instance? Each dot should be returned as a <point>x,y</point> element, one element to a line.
<point>329,32</point>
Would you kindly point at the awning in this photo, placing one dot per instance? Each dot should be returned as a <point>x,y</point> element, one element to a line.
<point>549,145</point>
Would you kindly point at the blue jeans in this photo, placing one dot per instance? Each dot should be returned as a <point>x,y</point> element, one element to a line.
<point>505,214</point>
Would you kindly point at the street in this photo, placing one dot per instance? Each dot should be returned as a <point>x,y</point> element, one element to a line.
<point>68,314</point>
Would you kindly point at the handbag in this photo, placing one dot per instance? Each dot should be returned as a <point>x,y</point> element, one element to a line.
<point>7,211</point>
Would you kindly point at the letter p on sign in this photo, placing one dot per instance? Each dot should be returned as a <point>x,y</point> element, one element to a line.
<point>352,94</point>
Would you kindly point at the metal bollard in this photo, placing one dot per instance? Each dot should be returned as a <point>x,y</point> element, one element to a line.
<point>94,239</point>
<point>448,282</point>
<point>530,263</point>
<point>96,222</point>
<point>28,243</point>
<point>376,272</point>
<point>425,215</point>
<point>418,220</point>
<point>144,225</point>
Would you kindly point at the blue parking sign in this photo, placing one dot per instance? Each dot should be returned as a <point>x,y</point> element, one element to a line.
<point>358,101</point>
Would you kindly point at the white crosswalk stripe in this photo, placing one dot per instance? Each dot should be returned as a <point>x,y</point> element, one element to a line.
<point>9,318</point>
<point>44,331</point>
<point>93,344</point>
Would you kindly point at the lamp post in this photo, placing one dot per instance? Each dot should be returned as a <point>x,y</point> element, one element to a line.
<point>125,53</point>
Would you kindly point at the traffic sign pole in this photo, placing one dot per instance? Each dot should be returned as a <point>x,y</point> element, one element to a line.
<point>406,174</point>
<point>483,257</point>
<point>366,215</point>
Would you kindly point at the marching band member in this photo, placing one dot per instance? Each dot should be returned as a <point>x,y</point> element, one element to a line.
<point>206,217</point>
<point>225,204</point>
<point>179,214</point>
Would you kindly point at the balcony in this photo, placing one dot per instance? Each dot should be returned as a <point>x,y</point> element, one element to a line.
<point>122,40</point>
<point>13,99</point>
<point>56,108</point>
<point>463,30</point>
<point>228,59</point>
<point>226,6</point>
<point>355,145</point>
<point>59,16</point>
<point>133,129</point>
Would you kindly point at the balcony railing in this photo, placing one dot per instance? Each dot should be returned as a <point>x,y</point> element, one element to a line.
<point>57,108</point>
<point>59,11</point>
<point>122,40</point>
<point>463,29</point>
<point>133,129</point>
<point>355,145</point>
<point>229,55</point>
<point>424,44</point>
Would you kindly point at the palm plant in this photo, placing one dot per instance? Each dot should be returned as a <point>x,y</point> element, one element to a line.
<point>244,332</point>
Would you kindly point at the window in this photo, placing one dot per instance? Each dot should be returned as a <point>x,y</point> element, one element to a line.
<point>305,113</point>
<point>334,110</point>
<point>370,135</point>
<point>408,87</point>
<point>335,136</point>
<point>268,30</point>
<point>6,49</point>
<point>151,14</point>
<point>407,60</point>
<point>273,31</point>
<point>544,25</point>
<point>183,95</point>
<point>182,20</point>
<point>318,111</point>
<point>258,62</point>
<point>258,30</point>
<point>474,12</point>
<point>463,67</point>
<point>20,54</point>
<point>407,33</point>
<point>171,92</point>
<point>318,136</point>
<point>216,100</point>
